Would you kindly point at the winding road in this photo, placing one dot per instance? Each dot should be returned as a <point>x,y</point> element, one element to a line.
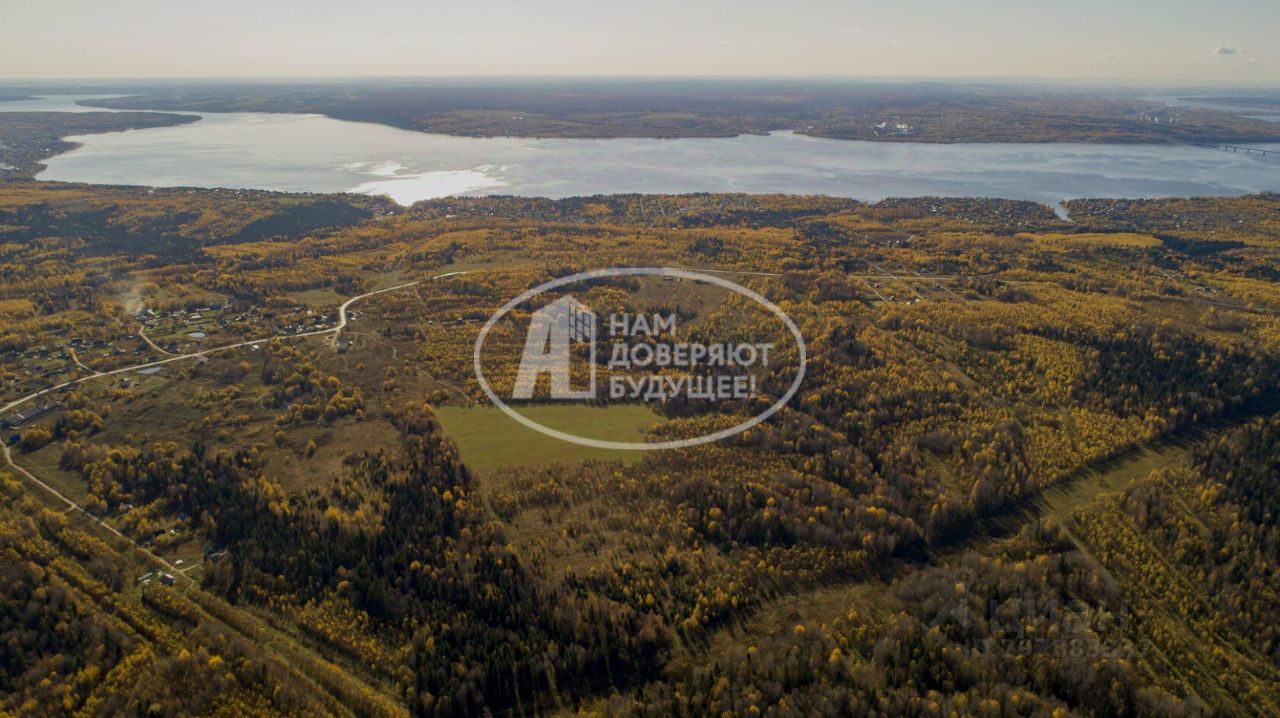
<point>73,506</point>
<point>335,329</point>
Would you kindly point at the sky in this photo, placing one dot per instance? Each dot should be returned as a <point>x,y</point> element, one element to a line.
<point>1175,41</point>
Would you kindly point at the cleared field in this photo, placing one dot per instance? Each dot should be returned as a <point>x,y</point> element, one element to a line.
<point>1064,499</point>
<point>323,298</point>
<point>489,439</point>
<point>44,464</point>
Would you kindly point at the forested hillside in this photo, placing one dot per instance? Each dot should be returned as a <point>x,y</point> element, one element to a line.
<point>1026,473</point>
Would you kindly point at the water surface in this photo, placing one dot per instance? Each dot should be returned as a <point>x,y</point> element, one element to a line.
<point>301,153</point>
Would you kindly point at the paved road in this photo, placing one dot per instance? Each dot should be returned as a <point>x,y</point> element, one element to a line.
<point>728,271</point>
<point>342,323</point>
<point>73,506</point>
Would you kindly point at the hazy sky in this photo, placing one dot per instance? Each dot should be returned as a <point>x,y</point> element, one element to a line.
<point>1230,42</point>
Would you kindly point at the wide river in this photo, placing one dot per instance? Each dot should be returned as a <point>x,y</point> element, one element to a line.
<point>313,153</point>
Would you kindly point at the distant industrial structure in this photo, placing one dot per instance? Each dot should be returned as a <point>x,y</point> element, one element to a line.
<point>892,129</point>
<point>1165,116</point>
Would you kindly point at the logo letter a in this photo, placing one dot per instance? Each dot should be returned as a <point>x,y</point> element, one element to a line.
<point>546,349</point>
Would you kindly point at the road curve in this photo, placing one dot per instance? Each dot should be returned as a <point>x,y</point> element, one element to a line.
<point>342,323</point>
<point>72,505</point>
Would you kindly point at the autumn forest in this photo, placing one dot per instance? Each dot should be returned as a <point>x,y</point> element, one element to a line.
<point>1027,472</point>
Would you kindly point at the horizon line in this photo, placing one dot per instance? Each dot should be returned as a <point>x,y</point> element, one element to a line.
<point>849,78</point>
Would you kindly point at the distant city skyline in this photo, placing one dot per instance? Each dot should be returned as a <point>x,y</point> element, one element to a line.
<point>1176,41</point>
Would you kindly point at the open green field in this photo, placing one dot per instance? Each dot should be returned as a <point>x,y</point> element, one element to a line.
<point>324,297</point>
<point>1067,497</point>
<point>489,439</point>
